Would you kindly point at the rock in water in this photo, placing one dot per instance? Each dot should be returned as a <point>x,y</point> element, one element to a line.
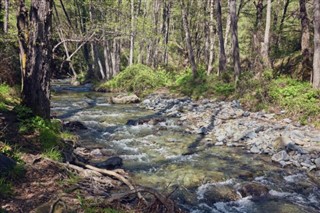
<point>6,163</point>
<point>74,125</point>
<point>110,163</point>
<point>255,190</point>
<point>125,99</point>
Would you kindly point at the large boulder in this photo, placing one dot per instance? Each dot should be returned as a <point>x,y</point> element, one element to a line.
<point>110,163</point>
<point>125,99</point>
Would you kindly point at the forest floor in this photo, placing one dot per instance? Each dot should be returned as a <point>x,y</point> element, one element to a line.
<point>40,181</point>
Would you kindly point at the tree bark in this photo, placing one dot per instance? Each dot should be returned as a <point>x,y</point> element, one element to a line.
<point>188,39</point>
<point>316,54</point>
<point>305,41</point>
<point>165,29</point>
<point>132,33</point>
<point>1,17</point>
<point>35,35</point>
<point>211,38</point>
<point>266,40</point>
<point>6,16</point>
<point>235,43</point>
<point>222,53</point>
<point>257,37</point>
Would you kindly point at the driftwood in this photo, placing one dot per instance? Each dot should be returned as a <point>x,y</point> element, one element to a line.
<point>97,180</point>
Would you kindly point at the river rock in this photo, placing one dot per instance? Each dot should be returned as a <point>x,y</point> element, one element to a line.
<point>220,193</point>
<point>317,162</point>
<point>281,143</point>
<point>74,126</point>
<point>125,99</point>
<point>256,190</point>
<point>110,163</point>
<point>280,156</point>
<point>6,164</point>
<point>255,150</point>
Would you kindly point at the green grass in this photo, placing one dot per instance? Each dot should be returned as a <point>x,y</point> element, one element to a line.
<point>53,154</point>
<point>8,97</point>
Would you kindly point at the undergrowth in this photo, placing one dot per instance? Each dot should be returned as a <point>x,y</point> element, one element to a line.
<point>139,79</point>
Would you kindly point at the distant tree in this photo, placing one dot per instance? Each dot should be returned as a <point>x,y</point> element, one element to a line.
<point>222,53</point>
<point>266,40</point>
<point>35,54</point>
<point>305,40</point>
<point>234,38</point>
<point>6,16</point>
<point>188,38</point>
<point>1,16</point>
<point>316,55</point>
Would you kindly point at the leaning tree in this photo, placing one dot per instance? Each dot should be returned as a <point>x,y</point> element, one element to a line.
<point>34,28</point>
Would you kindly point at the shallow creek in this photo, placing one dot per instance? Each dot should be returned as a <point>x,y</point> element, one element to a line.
<point>205,181</point>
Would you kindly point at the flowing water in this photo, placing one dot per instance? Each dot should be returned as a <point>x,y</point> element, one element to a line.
<point>206,181</point>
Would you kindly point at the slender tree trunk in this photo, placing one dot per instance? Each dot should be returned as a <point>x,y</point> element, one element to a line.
<point>285,10</point>
<point>1,17</point>
<point>165,30</point>
<point>305,41</point>
<point>211,38</point>
<point>188,39</point>
<point>36,55</point>
<point>316,54</point>
<point>222,53</point>
<point>226,38</point>
<point>257,37</point>
<point>235,43</point>
<point>132,33</point>
<point>6,16</point>
<point>266,41</point>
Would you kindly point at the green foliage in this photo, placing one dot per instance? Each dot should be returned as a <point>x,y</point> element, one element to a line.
<point>203,85</point>
<point>7,97</point>
<point>137,78</point>
<point>53,154</point>
<point>5,188</point>
<point>299,98</point>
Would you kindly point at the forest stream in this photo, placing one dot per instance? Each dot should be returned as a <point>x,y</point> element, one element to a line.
<point>191,153</point>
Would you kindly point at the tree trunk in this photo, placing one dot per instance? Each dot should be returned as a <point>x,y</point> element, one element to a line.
<point>1,17</point>
<point>222,53</point>
<point>257,37</point>
<point>211,38</point>
<point>235,43</point>
<point>265,44</point>
<point>316,54</point>
<point>228,25</point>
<point>6,16</point>
<point>188,39</point>
<point>305,41</point>
<point>38,53</point>
<point>132,34</point>
<point>165,29</point>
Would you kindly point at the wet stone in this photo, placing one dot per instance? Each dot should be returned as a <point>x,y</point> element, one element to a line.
<point>280,156</point>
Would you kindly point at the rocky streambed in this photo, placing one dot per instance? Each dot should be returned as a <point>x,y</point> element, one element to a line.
<point>209,156</point>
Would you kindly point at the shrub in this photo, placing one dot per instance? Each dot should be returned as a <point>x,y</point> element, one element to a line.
<point>297,97</point>
<point>137,78</point>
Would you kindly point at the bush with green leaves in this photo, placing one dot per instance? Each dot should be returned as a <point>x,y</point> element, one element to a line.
<point>137,78</point>
<point>297,97</point>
